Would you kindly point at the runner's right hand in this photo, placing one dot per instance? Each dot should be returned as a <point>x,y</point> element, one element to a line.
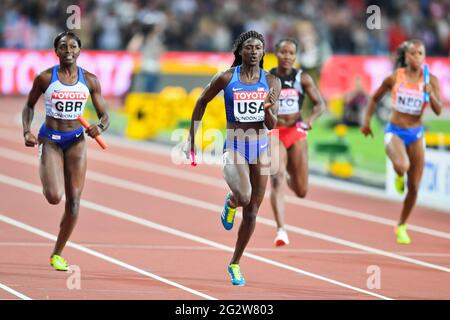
<point>366,131</point>
<point>30,139</point>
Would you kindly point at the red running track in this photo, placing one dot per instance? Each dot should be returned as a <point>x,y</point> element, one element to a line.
<point>150,229</point>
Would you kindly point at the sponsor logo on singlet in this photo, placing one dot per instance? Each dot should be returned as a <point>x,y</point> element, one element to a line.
<point>409,101</point>
<point>249,105</point>
<point>67,104</point>
<point>288,101</point>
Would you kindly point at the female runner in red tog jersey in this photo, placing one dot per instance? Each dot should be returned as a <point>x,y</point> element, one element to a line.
<point>403,138</point>
<point>292,162</point>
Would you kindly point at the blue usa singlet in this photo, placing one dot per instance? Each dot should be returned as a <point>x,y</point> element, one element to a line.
<point>245,102</point>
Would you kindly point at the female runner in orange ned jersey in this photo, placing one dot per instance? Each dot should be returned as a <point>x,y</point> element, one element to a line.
<point>403,138</point>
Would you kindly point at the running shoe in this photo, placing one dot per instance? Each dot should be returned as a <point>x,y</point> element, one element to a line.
<point>402,235</point>
<point>282,238</point>
<point>59,263</point>
<point>236,277</point>
<point>400,184</point>
<point>228,214</point>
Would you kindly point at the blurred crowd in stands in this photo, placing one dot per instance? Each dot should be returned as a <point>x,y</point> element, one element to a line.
<point>153,26</point>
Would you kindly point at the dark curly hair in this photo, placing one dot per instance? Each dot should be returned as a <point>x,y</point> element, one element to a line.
<point>400,60</point>
<point>69,34</point>
<point>238,45</point>
<point>293,41</point>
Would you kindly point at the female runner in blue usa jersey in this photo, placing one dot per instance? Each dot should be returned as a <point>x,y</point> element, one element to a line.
<point>251,103</point>
<point>62,150</point>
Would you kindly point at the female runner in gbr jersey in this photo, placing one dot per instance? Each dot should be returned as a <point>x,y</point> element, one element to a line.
<point>291,164</point>
<point>62,150</point>
<point>403,138</point>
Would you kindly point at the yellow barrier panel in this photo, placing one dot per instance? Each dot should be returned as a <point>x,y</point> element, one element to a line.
<point>336,106</point>
<point>140,115</point>
<point>340,130</point>
<point>182,68</point>
<point>447,140</point>
<point>170,104</point>
<point>341,169</point>
<point>431,139</point>
<point>436,139</point>
<point>214,118</point>
<point>188,67</point>
<point>149,114</point>
<point>270,61</point>
<point>188,106</point>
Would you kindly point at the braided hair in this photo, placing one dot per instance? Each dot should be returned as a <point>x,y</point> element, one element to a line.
<point>400,61</point>
<point>237,45</point>
<point>69,34</point>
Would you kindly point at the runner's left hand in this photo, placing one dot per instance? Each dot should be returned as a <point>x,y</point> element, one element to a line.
<point>270,99</point>
<point>93,131</point>
<point>304,125</point>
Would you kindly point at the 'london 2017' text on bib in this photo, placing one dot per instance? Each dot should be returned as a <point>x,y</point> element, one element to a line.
<point>249,105</point>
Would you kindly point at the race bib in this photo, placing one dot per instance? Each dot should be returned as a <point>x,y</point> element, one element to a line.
<point>67,104</point>
<point>409,101</point>
<point>249,105</point>
<point>288,101</point>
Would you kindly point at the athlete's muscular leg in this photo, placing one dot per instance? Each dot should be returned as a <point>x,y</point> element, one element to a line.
<point>51,170</point>
<point>416,154</point>
<point>74,173</point>
<point>277,179</point>
<point>297,167</point>
<point>236,174</point>
<point>396,151</point>
<point>258,180</point>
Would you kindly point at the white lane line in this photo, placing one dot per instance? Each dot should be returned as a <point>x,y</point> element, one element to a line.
<point>190,176</point>
<point>155,148</point>
<point>144,189</point>
<point>150,224</point>
<point>14,292</point>
<point>170,196</point>
<point>364,216</point>
<point>220,183</point>
<point>102,256</point>
<point>205,248</point>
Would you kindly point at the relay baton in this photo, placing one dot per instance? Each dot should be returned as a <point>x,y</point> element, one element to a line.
<point>99,139</point>
<point>426,78</point>
<point>193,163</point>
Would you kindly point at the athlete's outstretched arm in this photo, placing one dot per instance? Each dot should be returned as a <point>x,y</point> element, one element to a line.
<point>316,98</point>
<point>435,95</point>
<point>218,82</point>
<point>28,110</point>
<point>99,105</point>
<point>387,85</point>
<point>271,104</point>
